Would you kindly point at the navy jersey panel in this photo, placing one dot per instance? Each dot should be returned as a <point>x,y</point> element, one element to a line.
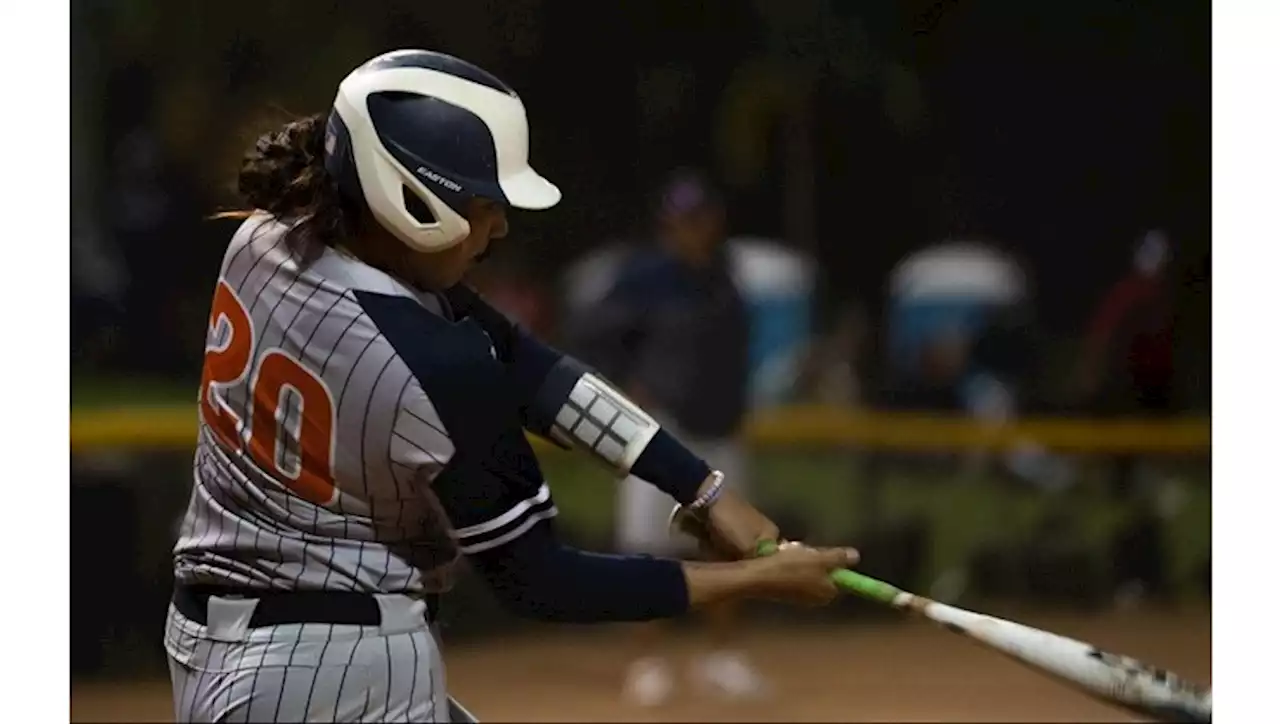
<point>492,486</point>
<point>528,361</point>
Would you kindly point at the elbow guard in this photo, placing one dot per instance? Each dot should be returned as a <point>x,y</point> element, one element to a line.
<point>580,409</point>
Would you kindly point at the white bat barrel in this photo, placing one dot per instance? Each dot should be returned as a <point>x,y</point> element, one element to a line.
<point>1117,679</point>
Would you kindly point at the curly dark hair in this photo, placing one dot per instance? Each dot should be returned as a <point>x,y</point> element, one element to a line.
<point>283,174</point>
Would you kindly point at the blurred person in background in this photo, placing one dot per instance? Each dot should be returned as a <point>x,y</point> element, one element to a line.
<point>99,280</point>
<point>1127,369</point>
<point>1127,366</point>
<point>673,330</point>
<point>776,284</point>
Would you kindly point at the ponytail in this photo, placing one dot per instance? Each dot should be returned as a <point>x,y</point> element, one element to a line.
<point>284,175</point>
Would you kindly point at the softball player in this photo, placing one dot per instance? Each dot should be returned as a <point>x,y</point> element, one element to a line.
<point>363,418</point>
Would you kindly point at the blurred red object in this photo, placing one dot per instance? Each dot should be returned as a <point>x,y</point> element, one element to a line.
<point>520,300</point>
<point>1132,332</point>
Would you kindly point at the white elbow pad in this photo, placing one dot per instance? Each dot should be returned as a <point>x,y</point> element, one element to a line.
<point>600,420</point>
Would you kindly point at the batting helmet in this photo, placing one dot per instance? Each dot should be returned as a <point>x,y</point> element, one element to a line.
<point>417,134</point>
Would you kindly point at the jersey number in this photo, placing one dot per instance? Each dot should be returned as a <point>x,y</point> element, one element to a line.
<point>277,373</point>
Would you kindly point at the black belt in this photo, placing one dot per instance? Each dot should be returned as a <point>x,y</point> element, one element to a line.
<point>342,608</point>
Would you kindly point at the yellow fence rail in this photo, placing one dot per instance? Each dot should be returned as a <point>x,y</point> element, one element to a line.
<point>174,427</point>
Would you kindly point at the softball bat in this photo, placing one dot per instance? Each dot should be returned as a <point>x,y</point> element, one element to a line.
<point>1118,680</point>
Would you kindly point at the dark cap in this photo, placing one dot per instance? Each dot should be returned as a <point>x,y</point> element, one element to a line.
<point>687,191</point>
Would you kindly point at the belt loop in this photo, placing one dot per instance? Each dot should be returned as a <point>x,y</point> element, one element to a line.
<point>229,618</point>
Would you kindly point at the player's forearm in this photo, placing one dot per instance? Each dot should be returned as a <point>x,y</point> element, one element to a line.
<point>712,583</point>
<point>535,576</point>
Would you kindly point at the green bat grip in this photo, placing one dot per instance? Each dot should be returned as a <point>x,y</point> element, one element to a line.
<point>845,579</point>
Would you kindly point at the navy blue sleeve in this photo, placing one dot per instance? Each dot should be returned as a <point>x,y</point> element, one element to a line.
<point>540,578</point>
<point>534,575</point>
<point>543,377</point>
<point>527,359</point>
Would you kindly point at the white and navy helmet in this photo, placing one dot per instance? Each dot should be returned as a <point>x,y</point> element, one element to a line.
<point>416,134</point>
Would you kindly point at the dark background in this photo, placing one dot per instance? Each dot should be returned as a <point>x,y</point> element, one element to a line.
<point>1060,131</point>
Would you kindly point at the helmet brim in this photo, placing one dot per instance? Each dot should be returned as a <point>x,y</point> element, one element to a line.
<point>526,189</point>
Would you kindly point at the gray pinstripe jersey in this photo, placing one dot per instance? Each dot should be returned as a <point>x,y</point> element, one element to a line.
<point>246,523</point>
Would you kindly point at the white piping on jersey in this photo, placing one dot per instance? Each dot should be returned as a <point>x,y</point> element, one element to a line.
<point>543,494</point>
<point>510,535</point>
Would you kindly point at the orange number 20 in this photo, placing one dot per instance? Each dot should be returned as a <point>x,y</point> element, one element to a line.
<point>228,363</point>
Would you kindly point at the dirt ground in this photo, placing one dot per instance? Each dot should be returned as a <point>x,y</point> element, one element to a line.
<point>897,672</point>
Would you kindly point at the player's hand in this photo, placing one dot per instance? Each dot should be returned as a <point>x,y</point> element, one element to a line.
<point>734,527</point>
<point>799,574</point>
